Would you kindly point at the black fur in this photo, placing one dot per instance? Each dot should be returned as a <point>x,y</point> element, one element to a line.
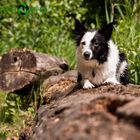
<point>122,57</point>
<point>79,31</point>
<point>124,78</point>
<point>106,31</point>
<point>99,47</point>
<point>99,44</point>
<point>93,73</point>
<point>79,78</point>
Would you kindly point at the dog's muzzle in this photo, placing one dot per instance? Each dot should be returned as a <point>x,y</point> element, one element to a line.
<point>87,55</point>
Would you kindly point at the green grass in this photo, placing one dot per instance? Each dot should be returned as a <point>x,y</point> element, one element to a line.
<point>16,112</point>
<point>51,33</point>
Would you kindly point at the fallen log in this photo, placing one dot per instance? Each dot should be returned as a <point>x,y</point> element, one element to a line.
<point>100,113</point>
<point>22,68</point>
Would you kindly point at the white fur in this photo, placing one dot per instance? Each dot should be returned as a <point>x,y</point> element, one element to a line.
<point>87,39</point>
<point>105,72</point>
<point>88,84</point>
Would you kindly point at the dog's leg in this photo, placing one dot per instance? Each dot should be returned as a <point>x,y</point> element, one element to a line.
<point>124,78</point>
<point>87,84</point>
<point>112,81</point>
<point>112,78</point>
<point>79,78</point>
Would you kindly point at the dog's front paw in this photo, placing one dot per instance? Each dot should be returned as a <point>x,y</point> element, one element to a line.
<point>111,81</point>
<point>88,85</point>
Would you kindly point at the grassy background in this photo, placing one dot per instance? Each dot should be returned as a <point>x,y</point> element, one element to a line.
<point>51,32</point>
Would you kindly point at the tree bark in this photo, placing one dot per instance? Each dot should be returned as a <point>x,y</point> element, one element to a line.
<point>22,68</point>
<point>108,112</point>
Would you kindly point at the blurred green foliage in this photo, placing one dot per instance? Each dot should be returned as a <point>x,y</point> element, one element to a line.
<point>50,31</point>
<point>47,31</point>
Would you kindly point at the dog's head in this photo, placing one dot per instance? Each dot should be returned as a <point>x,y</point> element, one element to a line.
<point>93,44</point>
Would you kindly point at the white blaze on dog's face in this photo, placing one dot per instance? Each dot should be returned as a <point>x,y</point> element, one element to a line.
<point>85,44</point>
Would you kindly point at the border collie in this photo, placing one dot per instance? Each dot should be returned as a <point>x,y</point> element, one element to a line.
<point>99,60</point>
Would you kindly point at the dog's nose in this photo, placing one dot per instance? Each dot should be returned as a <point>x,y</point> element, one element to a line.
<point>86,55</point>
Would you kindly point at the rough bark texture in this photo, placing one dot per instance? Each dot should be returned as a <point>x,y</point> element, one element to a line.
<point>22,68</point>
<point>105,113</point>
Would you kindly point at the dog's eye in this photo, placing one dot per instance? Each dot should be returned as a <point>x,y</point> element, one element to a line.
<point>96,44</point>
<point>83,43</point>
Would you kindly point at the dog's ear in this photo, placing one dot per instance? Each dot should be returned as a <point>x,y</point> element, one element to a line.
<point>79,28</point>
<point>79,31</point>
<point>106,31</point>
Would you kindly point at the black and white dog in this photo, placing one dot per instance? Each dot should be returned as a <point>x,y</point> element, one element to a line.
<point>98,58</point>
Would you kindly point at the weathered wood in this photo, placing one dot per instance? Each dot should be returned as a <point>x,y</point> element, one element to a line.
<point>100,113</point>
<point>21,68</point>
<point>59,86</point>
